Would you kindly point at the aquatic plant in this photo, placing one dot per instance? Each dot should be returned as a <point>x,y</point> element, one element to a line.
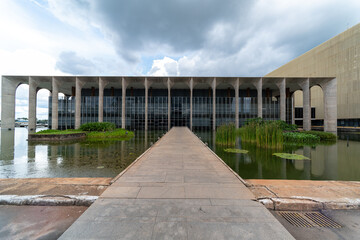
<point>291,156</point>
<point>300,137</point>
<point>324,136</point>
<point>52,131</point>
<point>226,134</point>
<point>263,133</point>
<point>236,150</point>
<point>98,126</point>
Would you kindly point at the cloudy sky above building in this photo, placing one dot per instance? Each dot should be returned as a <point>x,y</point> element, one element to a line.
<point>161,37</point>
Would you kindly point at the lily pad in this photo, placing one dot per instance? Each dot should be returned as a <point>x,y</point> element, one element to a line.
<point>236,150</point>
<point>291,156</point>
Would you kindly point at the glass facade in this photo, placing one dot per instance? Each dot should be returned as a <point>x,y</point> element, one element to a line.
<point>202,116</point>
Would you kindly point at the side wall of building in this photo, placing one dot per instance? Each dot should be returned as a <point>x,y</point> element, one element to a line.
<point>338,57</point>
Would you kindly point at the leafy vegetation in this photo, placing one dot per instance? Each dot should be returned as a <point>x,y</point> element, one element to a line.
<point>96,132</point>
<point>291,156</point>
<point>236,150</point>
<point>98,126</point>
<point>267,134</point>
<point>117,134</point>
<point>324,136</point>
<point>300,137</point>
<point>51,131</point>
<point>226,134</point>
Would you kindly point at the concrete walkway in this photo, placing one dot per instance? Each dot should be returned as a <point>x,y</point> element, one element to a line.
<point>178,190</point>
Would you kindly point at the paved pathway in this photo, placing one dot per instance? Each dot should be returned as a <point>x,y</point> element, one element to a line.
<point>178,190</point>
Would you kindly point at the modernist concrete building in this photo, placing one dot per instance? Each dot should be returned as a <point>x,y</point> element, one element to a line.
<point>162,102</point>
<point>338,57</point>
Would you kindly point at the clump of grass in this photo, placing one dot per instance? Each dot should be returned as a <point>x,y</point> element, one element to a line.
<point>236,150</point>
<point>267,134</point>
<point>98,126</point>
<point>226,134</point>
<point>51,131</point>
<point>291,156</point>
<point>300,137</point>
<point>324,136</point>
<point>117,134</point>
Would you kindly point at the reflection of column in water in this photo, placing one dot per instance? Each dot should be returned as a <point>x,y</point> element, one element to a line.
<point>100,153</point>
<point>146,140</point>
<point>7,144</point>
<point>307,163</point>
<point>331,167</point>
<point>122,154</point>
<point>31,151</point>
<point>214,140</point>
<point>238,156</point>
<point>317,161</point>
<point>77,150</point>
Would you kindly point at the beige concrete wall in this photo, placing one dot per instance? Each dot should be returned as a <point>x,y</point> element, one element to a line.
<point>338,57</point>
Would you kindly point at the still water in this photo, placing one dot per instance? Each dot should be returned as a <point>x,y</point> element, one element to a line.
<point>338,161</point>
<point>21,159</point>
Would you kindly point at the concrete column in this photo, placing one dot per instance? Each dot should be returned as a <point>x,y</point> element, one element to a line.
<point>54,104</point>
<point>330,105</point>
<point>79,85</point>
<point>146,83</point>
<point>169,103</point>
<point>282,87</point>
<point>258,86</point>
<point>237,103</point>
<point>8,89</point>
<point>305,85</point>
<point>214,103</point>
<point>32,103</point>
<point>102,84</point>
<point>123,103</point>
<point>191,101</point>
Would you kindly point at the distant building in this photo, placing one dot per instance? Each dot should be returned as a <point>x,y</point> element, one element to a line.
<point>162,102</point>
<point>338,57</point>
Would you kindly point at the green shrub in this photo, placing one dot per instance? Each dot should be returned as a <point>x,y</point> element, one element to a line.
<point>324,136</point>
<point>226,134</point>
<point>51,131</point>
<point>98,127</point>
<point>300,137</point>
<point>264,133</point>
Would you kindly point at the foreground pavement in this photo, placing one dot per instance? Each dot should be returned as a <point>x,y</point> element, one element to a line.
<point>306,195</point>
<point>348,219</point>
<point>36,222</point>
<point>178,189</point>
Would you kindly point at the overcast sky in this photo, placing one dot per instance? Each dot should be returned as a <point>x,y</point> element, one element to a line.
<point>161,37</point>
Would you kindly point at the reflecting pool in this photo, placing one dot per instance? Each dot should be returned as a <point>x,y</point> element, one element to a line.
<point>22,159</point>
<point>339,161</point>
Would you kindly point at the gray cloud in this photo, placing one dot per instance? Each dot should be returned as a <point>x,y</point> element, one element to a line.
<point>70,62</point>
<point>228,37</point>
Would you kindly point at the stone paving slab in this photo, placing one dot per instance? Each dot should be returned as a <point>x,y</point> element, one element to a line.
<point>178,190</point>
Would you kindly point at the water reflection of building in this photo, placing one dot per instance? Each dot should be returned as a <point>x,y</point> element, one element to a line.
<point>163,102</point>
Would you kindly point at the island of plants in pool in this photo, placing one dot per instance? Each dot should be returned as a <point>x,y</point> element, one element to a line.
<point>93,131</point>
<point>271,134</point>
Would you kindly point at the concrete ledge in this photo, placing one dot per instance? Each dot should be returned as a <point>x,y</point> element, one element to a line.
<point>56,137</point>
<point>47,200</point>
<point>306,195</point>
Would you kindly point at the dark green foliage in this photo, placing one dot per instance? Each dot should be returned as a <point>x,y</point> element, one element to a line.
<point>98,127</point>
<point>300,137</point>
<point>51,131</point>
<point>225,134</point>
<point>324,136</point>
<point>264,133</point>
